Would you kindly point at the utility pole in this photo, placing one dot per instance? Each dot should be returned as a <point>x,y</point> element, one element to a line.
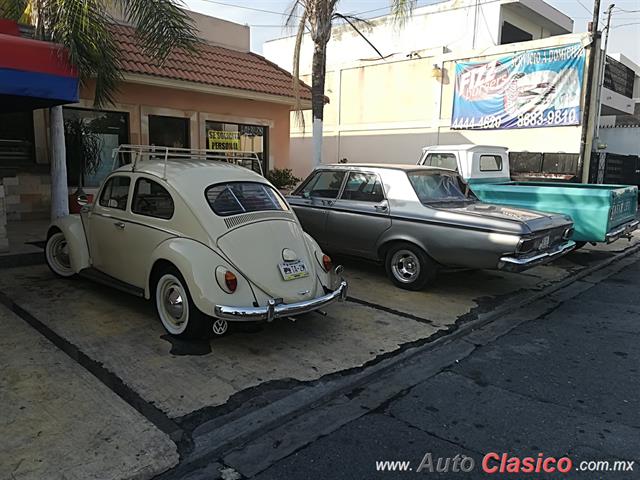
<point>603,66</point>
<point>591,69</point>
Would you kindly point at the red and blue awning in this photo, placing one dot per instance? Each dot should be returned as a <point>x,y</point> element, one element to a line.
<point>34,74</point>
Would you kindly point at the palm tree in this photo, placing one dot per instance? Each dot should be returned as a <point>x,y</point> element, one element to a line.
<point>317,17</point>
<point>83,27</point>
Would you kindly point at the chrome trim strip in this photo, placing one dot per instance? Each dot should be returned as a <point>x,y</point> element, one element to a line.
<point>273,311</point>
<point>519,264</point>
<point>622,231</point>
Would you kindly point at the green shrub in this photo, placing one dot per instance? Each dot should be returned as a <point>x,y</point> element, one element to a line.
<point>282,178</point>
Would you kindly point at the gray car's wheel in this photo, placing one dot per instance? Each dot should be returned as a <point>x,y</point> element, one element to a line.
<point>409,267</point>
<point>57,255</point>
<point>175,308</point>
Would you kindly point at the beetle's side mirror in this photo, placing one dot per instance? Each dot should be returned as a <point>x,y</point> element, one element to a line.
<point>82,200</point>
<point>306,195</point>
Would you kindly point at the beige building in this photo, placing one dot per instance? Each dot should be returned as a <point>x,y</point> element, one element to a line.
<point>223,97</point>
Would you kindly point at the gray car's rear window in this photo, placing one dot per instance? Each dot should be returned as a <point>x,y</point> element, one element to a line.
<point>234,198</point>
<point>436,187</point>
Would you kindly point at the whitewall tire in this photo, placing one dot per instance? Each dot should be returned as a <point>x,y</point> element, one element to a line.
<point>57,255</point>
<point>175,308</point>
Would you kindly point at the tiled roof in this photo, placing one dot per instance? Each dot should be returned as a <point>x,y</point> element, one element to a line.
<point>210,65</point>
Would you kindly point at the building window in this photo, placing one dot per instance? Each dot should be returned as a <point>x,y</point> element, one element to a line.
<point>16,139</point>
<point>236,136</point>
<point>90,137</point>
<point>169,131</point>
<point>512,34</point>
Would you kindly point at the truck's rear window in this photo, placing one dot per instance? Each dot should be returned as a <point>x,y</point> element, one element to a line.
<point>242,197</point>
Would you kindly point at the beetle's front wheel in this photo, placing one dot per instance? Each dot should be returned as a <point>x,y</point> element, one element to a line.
<point>57,255</point>
<point>174,305</point>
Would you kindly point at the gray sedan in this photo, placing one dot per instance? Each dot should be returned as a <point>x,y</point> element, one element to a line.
<point>418,219</point>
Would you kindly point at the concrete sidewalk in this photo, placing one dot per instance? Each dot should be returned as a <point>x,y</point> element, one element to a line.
<point>59,422</point>
<point>564,384</point>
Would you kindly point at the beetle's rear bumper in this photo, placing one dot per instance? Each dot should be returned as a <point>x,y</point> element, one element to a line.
<point>273,311</point>
<point>624,230</point>
<point>520,264</point>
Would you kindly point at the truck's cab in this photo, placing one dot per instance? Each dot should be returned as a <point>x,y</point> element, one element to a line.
<point>474,163</point>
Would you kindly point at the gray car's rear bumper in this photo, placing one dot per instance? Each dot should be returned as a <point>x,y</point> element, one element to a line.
<point>273,311</point>
<point>519,264</point>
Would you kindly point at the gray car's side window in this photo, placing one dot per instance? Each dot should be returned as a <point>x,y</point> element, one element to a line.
<point>442,160</point>
<point>363,187</point>
<point>324,184</point>
<point>116,192</point>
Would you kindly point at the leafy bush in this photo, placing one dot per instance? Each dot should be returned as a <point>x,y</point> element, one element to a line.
<point>282,178</point>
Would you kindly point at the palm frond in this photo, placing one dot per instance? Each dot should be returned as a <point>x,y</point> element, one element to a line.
<point>298,6</point>
<point>402,10</point>
<point>161,25</point>
<point>82,26</point>
<point>13,9</point>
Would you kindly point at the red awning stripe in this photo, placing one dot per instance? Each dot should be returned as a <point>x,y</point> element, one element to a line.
<point>28,55</point>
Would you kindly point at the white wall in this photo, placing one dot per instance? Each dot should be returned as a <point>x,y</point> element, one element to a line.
<point>621,140</point>
<point>450,26</point>
<point>386,111</point>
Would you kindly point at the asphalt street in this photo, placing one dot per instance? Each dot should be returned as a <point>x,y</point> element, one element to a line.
<point>564,384</point>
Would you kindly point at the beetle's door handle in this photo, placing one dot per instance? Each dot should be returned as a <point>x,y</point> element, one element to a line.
<point>381,208</point>
<point>119,225</point>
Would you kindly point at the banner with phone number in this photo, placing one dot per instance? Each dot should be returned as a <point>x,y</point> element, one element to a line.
<point>534,88</point>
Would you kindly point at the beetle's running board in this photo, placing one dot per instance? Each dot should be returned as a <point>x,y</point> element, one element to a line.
<point>97,276</point>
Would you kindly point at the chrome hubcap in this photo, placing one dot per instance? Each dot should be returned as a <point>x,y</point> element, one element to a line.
<point>60,252</point>
<point>405,266</point>
<point>174,304</point>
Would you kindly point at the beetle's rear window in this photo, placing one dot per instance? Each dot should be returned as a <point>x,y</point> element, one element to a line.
<point>243,197</point>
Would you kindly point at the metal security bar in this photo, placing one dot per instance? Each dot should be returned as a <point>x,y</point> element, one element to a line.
<point>132,154</point>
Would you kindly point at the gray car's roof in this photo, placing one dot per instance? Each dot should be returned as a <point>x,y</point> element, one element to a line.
<point>383,166</point>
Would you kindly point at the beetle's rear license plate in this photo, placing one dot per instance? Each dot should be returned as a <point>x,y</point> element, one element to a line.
<point>293,270</point>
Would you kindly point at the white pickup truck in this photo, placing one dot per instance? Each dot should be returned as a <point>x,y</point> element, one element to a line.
<point>601,213</point>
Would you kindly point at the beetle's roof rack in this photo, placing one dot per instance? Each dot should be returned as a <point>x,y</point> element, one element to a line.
<point>132,154</point>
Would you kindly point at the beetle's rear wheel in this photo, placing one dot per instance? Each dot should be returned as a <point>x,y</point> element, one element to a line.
<point>176,310</point>
<point>57,255</point>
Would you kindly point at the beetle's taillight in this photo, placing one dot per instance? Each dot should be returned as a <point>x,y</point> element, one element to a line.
<point>327,263</point>
<point>230,281</point>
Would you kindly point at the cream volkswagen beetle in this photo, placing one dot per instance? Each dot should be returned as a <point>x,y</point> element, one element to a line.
<point>208,241</point>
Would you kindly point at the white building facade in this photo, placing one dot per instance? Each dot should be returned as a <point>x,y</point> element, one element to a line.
<point>386,110</point>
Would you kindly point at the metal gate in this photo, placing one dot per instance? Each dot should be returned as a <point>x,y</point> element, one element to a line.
<point>615,169</point>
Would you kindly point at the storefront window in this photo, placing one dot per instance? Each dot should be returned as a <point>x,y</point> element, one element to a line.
<point>235,136</point>
<point>16,139</point>
<point>169,131</point>
<point>91,136</point>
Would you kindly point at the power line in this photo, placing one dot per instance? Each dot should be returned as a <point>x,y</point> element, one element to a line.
<point>625,25</point>
<point>282,14</point>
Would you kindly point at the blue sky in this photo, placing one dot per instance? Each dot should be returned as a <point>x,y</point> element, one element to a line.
<point>265,26</point>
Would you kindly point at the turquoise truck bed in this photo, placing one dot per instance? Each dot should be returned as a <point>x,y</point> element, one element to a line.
<point>596,210</point>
